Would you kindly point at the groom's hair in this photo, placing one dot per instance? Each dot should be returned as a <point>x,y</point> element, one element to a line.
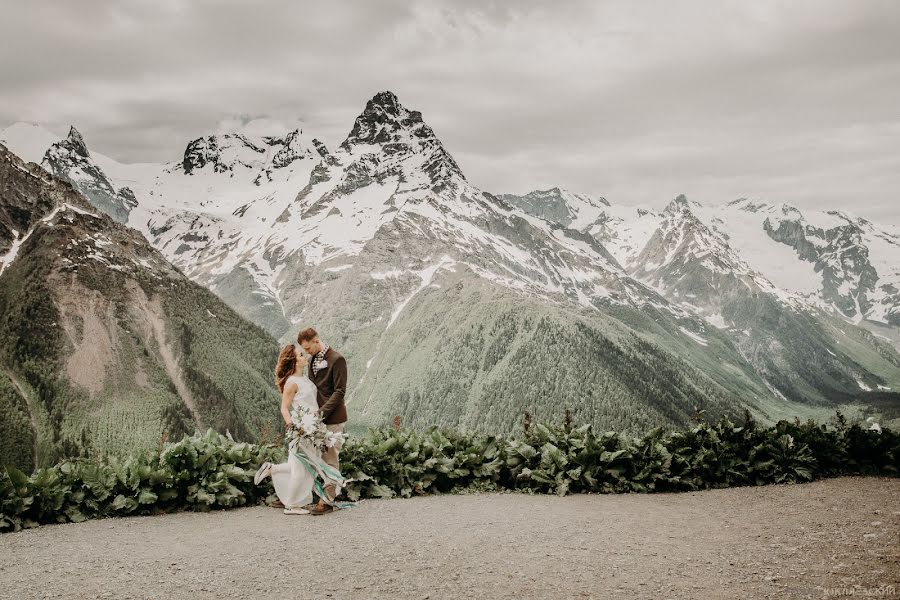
<point>307,335</point>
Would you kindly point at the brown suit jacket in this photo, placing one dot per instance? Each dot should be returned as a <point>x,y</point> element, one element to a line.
<point>331,383</point>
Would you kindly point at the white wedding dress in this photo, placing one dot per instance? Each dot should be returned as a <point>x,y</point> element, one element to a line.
<point>293,483</point>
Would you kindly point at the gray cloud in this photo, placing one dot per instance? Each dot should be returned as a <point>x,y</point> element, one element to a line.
<point>793,101</point>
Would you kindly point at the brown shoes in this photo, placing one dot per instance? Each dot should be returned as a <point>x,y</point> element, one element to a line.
<point>314,508</point>
<point>321,509</point>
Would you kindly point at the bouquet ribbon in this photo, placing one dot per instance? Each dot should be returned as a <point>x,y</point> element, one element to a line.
<point>321,471</point>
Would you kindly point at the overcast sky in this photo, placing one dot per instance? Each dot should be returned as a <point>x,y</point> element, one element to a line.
<point>789,101</point>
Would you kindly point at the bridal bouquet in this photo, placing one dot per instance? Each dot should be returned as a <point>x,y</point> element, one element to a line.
<point>307,426</point>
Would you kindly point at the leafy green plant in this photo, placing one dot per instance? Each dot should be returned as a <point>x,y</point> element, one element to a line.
<point>207,471</point>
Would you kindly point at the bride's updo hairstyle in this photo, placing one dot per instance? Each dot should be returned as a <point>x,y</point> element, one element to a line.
<point>287,364</point>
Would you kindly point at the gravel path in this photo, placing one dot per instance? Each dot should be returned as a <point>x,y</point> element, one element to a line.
<point>815,540</point>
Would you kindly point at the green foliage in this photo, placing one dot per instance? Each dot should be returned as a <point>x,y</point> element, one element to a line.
<point>224,361</point>
<point>208,471</point>
<point>16,435</point>
<point>201,472</point>
<point>29,319</point>
<point>227,362</point>
<point>403,463</point>
<point>512,355</point>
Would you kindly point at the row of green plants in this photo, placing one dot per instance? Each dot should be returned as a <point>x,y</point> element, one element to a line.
<point>213,471</point>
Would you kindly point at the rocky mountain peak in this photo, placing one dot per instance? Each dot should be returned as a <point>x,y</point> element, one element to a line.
<point>294,146</point>
<point>562,206</point>
<point>70,160</point>
<point>227,151</point>
<point>25,198</point>
<point>30,199</point>
<point>388,101</point>
<point>679,203</point>
<point>202,151</point>
<point>75,142</point>
<point>405,143</point>
<point>385,121</point>
<point>684,237</point>
<point>748,205</point>
<point>789,211</point>
<point>682,208</point>
<point>322,149</point>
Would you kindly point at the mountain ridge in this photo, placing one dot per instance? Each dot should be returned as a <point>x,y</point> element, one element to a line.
<point>360,240</point>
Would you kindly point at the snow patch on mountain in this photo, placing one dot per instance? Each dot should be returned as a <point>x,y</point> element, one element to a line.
<point>28,141</point>
<point>716,320</point>
<point>11,254</point>
<point>841,262</point>
<point>7,259</point>
<point>696,337</point>
<point>426,275</point>
<point>744,232</point>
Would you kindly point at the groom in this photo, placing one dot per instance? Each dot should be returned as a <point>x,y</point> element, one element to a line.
<point>328,370</point>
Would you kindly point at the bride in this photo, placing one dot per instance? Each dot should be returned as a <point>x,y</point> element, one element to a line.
<point>295,479</point>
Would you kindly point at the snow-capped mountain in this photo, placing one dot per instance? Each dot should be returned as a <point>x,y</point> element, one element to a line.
<point>237,211</point>
<point>831,259</point>
<point>685,252</point>
<point>229,152</point>
<point>682,247</point>
<point>569,209</point>
<point>841,261</point>
<point>70,160</point>
<point>446,298</point>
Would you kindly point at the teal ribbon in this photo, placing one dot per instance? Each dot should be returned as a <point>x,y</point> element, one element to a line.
<point>320,470</point>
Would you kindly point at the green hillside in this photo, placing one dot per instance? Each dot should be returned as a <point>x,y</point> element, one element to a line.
<point>105,348</point>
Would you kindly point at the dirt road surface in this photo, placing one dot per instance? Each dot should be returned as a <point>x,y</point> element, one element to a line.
<point>828,539</point>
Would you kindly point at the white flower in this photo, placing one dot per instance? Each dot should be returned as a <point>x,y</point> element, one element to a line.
<point>323,364</point>
<point>335,438</point>
<point>308,422</point>
<point>332,439</point>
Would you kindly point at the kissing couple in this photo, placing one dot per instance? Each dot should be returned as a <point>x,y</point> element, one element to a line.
<point>309,401</point>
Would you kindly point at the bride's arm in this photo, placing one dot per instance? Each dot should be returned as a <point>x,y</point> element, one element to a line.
<point>287,397</point>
